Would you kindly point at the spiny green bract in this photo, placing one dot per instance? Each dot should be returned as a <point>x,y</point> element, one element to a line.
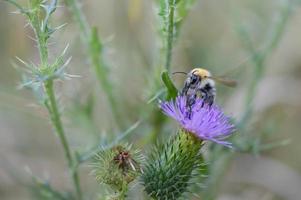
<point>170,167</point>
<point>117,167</point>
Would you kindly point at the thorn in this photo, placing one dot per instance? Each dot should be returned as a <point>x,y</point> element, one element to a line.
<point>51,43</point>
<point>64,65</point>
<point>109,39</point>
<point>26,25</point>
<point>28,170</point>
<point>33,39</point>
<point>60,6</point>
<point>26,84</point>
<point>16,12</point>
<point>61,26</point>
<point>65,50</point>
<point>70,76</point>
<point>20,60</point>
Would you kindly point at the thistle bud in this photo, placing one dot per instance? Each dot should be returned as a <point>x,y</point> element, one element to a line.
<point>117,167</point>
<point>170,167</point>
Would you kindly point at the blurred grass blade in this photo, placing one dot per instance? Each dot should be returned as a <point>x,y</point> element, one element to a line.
<point>86,156</point>
<point>102,73</point>
<point>43,190</point>
<point>156,96</point>
<point>20,8</point>
<point>123,135</point>
<point>182,9</point>
<point>94,46</point>
<point>172,91</point>
<point>100,68</point>
<point>273,145</point>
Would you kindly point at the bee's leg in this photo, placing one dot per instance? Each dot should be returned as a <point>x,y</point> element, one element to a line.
<point>191,99</point>
<point>207,97</point>
<point>185,89</point>
<point>210,100</point>
<point>204,95</point>
<point>189,103</point>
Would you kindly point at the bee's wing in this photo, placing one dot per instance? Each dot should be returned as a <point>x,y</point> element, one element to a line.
<point>224,81</point>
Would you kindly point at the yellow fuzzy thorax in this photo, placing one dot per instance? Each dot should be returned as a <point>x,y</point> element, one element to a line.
<point>203,73</point>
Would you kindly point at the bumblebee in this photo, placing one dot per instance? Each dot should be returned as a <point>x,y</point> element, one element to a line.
<point>200,83</point>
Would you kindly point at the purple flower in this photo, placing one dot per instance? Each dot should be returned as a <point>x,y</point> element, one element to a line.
<point>204,121</point>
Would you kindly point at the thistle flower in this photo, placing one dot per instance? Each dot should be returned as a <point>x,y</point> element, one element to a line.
<point>174,167</point>
<point>204,121</point>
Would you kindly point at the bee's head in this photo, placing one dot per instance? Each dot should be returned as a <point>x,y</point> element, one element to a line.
<point>192,79</point>
<point>195,77</point>
<point>201,73</point>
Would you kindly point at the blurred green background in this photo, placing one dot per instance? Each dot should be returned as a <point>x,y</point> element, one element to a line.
<point>129,30</point>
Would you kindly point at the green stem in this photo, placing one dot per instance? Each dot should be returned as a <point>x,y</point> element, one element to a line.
<point>39,23</point>
<point>42,46</point>
<point>57,123</point>
<point>123,193</point>
<point>80,18</point>
<point>156,117</point>
<point>170,33</point>
<point>89,38</point>
<point>41,40</point>
<point>51,103</point>
<point>259,58</point>
<point>95,48</point>
<point>55,117</point>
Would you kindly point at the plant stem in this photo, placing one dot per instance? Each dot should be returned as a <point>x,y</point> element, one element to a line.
<point>80,18</point>
<point>259,58</point>
<point>157,117</point>
<point>123,193</point>
<point>170,33</point>
<point>57,123</point>
<point>90,39</point>
<point>41,40</point>
<point>50,103</point>
<point>42,50</point>
<point>55,117</point>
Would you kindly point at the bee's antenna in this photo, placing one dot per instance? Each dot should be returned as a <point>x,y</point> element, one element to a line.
<point>179,73</point>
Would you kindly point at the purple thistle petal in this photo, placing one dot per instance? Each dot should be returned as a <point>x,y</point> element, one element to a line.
<point>206,122</point>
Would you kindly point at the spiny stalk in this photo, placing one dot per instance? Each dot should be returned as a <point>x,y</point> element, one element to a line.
<point>38,15</point>
<point>51,105</point>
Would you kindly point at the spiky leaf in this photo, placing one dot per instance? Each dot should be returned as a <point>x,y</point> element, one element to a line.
<point>172,91</point>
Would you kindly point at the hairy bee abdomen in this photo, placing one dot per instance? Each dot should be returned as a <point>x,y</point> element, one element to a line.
<point>208,93</point>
